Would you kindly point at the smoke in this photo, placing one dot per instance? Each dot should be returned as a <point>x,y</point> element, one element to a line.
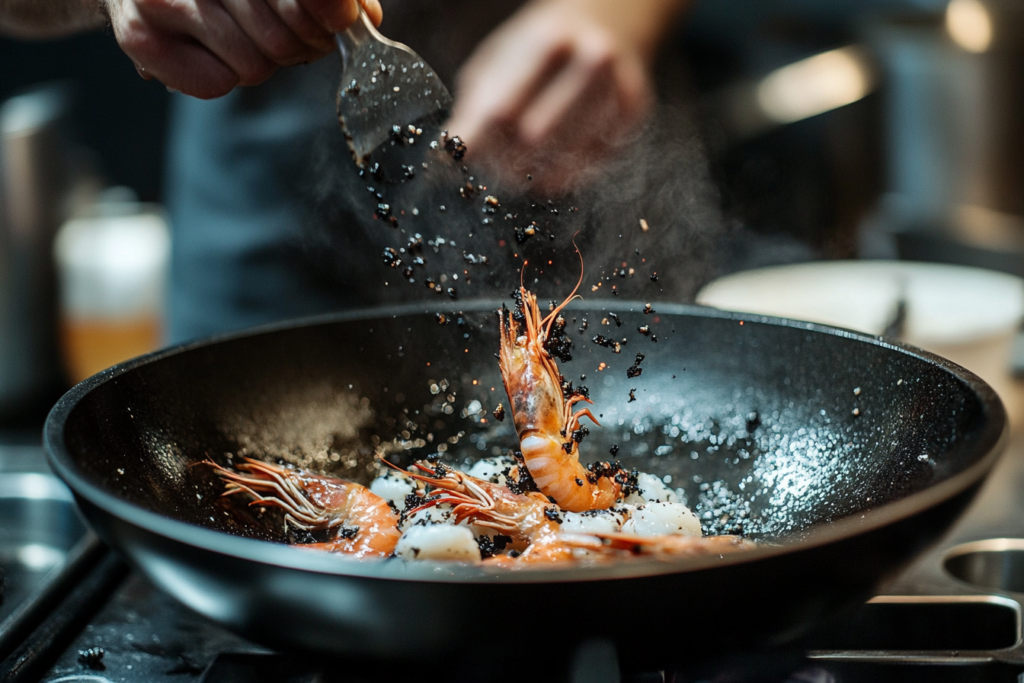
<point>422,225</point>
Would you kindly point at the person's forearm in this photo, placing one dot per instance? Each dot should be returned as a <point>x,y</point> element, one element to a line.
<point>49,18</point>
<point>644,23</point>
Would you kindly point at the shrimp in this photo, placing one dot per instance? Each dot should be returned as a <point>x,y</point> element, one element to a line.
<point>531,521</point>
<point>548,428</point>
<point>363,524</point>
<point>535,525</point>
<point>664,544</point>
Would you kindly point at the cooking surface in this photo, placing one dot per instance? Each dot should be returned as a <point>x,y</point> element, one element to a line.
<point>149,637</point>
<point>143,629</point>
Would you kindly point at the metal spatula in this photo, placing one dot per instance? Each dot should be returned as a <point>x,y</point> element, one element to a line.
<point>385,88</point>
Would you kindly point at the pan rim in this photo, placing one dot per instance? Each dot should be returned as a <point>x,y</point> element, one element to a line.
<point>990,441</point>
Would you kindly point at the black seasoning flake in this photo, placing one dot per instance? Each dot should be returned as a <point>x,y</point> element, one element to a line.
<point>618,322</point>
<point>493,545</point>
<point>753,421</point>
<point>601,340</point>
<point>558,344</point>
<point>552,513</point>
<point>413,501</point>
<point>614,450</point>
<point>92,658</point>
<point>632,395</point>
<point>456,146</point>
<point>648,310</point>
<point>499,413</point>
<point>579,434</point>
<point>568,390</point>
<point>584,325</point>
<point>452,293</point>
<point>567,446</point>
<point>391,258</point>
<point>353,89</point>
<point>383,213</point>
<point>635,370</point>
<point>644,330</point>
<point>408,273</point>
<point>517,312</point>
<point>467,191</point>
<point>654,276</point>
<point>347,531</point>
<point>627,480</point>
<point>521,481</point>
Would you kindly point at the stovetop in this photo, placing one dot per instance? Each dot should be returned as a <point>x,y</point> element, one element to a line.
<point>110,625</point>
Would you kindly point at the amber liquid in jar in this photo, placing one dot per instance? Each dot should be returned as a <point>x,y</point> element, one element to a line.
<point>94,344</point>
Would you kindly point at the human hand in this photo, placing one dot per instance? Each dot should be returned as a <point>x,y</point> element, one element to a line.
<point>556,87</point>
<point>205,48</point>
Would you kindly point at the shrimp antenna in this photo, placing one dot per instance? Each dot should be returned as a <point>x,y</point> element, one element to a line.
<point>550,317</point>
<point>522,272</point>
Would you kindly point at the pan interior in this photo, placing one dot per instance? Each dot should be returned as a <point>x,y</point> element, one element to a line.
<point>767,428</point>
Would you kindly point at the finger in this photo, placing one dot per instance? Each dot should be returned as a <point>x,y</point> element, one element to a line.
<point>210,24</point>
<point>373,10</point>
<point>586,83</point>
<point>271,36</point>
<point>499,83</point>
<point>295,16</point>
<point>192,70</point>
<point>636,96</point>
<point>332,15</point>
<point>176,61</point>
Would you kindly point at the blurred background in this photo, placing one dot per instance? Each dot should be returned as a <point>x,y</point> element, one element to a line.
<point>839,130</point>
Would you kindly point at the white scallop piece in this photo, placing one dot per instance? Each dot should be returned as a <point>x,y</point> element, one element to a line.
<point>634,500</point>
<point>490,469</point>
<point>393,486</point>
<point>592,522</point>
<point>438,542</point>
<point>654,490</point>
<point>438,514</point>
<point>656,519</point>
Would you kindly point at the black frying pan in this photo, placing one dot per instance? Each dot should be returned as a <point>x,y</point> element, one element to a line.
<point>845,453</point>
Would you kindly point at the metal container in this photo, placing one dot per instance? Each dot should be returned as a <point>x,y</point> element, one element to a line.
<point>33,184</point>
